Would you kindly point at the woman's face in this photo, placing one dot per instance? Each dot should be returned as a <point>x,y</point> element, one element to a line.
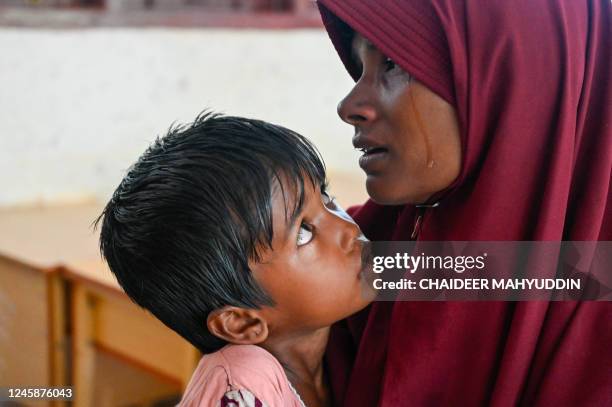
<point>409,136</point>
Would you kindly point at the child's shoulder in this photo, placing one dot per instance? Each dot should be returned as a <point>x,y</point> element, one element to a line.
<point>239,371</point>
<point>248,363</point>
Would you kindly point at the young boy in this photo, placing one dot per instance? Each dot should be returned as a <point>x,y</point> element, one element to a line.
<point>223,229</point>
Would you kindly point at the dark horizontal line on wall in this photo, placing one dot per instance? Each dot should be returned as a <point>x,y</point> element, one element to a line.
<point>84,18</point>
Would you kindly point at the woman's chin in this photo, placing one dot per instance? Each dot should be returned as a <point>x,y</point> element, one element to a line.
<point>384,191</point>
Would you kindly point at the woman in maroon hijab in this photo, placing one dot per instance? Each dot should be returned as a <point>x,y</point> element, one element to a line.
<point>479,120</point>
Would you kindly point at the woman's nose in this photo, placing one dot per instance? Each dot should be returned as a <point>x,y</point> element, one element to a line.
<point>357,108</point>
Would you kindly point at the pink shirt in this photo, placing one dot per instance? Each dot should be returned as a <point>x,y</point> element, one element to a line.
<point>244,375</point>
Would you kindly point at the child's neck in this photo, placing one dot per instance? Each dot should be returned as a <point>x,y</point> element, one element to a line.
<point>302,358</point>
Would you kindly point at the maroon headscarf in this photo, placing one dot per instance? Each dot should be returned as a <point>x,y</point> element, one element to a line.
<point>530,81</point>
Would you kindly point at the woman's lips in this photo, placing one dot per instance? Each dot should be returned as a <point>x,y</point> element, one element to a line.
<point>373,158</point>
<point>374,152</point>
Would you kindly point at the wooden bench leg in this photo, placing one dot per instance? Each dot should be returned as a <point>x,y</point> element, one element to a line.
<point>83,349</point>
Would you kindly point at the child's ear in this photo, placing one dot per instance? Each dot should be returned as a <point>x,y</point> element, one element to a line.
<point>237,325</point>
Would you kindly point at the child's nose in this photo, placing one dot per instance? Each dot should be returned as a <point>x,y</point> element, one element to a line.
<point>348,233</point>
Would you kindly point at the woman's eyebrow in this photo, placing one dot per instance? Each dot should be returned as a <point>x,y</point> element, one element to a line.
<point>355,57</point>
<point>356,46</point>
<point>369,45</point>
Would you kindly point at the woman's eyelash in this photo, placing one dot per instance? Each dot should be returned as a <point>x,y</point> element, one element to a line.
<point>389,64</point>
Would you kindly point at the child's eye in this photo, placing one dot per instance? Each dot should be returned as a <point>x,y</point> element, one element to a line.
<point>389,64</point>
<point>304,235</point>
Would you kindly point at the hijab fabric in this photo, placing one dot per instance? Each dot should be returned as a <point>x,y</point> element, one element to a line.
<point>530,81</point>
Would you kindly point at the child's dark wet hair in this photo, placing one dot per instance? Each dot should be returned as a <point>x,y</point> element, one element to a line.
<point>194,209</point>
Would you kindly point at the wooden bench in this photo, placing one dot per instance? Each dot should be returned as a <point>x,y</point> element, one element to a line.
<point>60,306</point>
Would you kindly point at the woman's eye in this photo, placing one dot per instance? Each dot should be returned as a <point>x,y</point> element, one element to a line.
<point>304,235</point>
<point>389,64</point>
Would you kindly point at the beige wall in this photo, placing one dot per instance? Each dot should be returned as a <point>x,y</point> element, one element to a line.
<point>78,106</point>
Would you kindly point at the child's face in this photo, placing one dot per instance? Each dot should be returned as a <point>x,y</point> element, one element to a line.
<point>314,272</point>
